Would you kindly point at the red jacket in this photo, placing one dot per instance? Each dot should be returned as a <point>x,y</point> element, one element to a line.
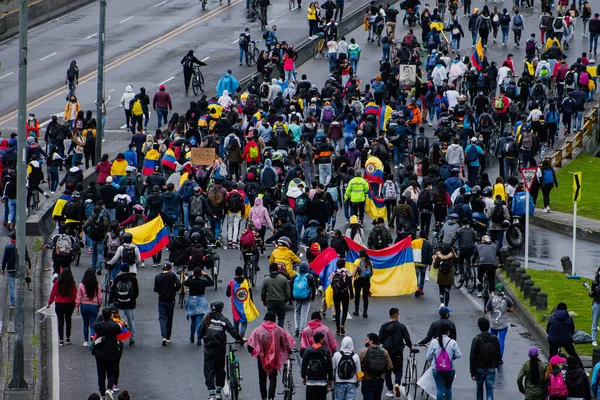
<point>246,155</point>
<point>103,171</point>
<point>59,298</point>
<point>33,126</point>
<point>162,99</point>
<point>506,102</point>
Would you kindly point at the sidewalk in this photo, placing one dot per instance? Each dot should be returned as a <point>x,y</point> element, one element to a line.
<point>587,228</point>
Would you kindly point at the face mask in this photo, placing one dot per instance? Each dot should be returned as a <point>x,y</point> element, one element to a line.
<point>187,149</point>
<point>31,118</point>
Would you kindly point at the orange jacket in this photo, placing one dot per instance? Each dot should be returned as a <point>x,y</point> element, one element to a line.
<point>416,119</point>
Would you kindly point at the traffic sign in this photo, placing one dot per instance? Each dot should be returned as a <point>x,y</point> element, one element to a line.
<point>576,187</point>
<point>528,176</point>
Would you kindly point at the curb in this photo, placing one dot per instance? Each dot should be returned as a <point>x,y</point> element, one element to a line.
<point>565,228</point>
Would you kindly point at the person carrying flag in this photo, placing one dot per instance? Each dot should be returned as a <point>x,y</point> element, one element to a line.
<point>242,307</point>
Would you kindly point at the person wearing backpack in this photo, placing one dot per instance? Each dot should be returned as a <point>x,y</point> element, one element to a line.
<point>65,247</point>
<point>472,155</point>
<point>235,205</point>
<point>375,362</point>
<point>96,228</point>
<point>499,306</point>
<point>578,384</point>
<point>363,271</point>
<point>317,369</point>
<point>303,293</point>
<point>484,359</point>
<point>379,237</point>
<point>123,294</point>
<point>445,260</point>
<point>128,253</point>
<point>497,214</point>
<point>442,353</point>
<point>394,336</point>
<point>556,386</point>
<point>346,366</point>
<point>341,283</point>
<point>547,178</point>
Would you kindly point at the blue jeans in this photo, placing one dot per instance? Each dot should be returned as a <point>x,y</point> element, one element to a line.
<point>195,323</point>
<point>345,391</point>
<point>97,254</point>
<point>372,389</point>
<point>348,138</point>
<point>595,318</point>
<point>420,276</point>
<point>443,383</point>
<point>593,42</point>
<point>501,334</point>
<point>240,327</point>
<point>165,318</point>
<point>130,314</point>
<point>456,43</point>
<point>111,213</point>
<point>11,287</point>
<point>54,179</point>
<point>474,37</point>
<point>77,157</point>
<point>324,173</point>
<point>88,312</point>
<point>398,155</point>
<point>578,120</point>
<point>332,58</point>
<point>505,30</point>
<point>510,166</point>
<point>487,376</point>
<point>354,62</point>
<point>186,215</point>
<point>301,222</point>
<point>215,225</point>
<point>12,211</point>
<point>385,52</point>
<point>498,237</point>
<point>162,114</point>
<point>242,51</point>
<point>307,168</point>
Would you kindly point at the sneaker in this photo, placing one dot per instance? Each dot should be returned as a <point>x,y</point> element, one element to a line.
<point>297,333</point>
<point>479,294</point>
<point>397,387</point>
<point>365,315</point>
<point>86,344</point>
<point>389,394</point>
<point>131,342</point>
<point>46,195</point>
<point>355,313</point>
<point>192,339</point>
<point>89,251</point>
<point>68,341</point>
<point>168,341</point>
<point>61,343</point>
<point>12,307</point>
<point>109,394</point>
<point>154,265</point>
<point>421,292</point>
<point>164,342</point>
<point>342,330</point>
<point>441,305</point>
<point>337,333</point>
<point>594,343</point>
<point>116,388</point>
<point>430,124</point>
<point>99,272</point>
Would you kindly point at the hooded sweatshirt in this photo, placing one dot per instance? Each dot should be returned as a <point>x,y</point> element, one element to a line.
<point>308,333</point>
<point>455,155</point>
<point>303,272</point>
<point>393,336</point>
<point>347,348</point>
<point>272,344</point>
<point>127,97</point>
<point>260,213</point>
<point>560,327</point>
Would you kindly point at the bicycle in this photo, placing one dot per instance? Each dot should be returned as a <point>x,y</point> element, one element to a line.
<point>249,270</point>
<point>464,276</point>
<point>436,243</point>
<point>198,81</point>
<point>319,49</point>
<point>233,372</point>
<point>426,366</point>
<point>289,388</point>
<point>215,263</point>
<point>253,53</point>
<point>410,375</point>
<point>182,278</point>
<point>263,18</point>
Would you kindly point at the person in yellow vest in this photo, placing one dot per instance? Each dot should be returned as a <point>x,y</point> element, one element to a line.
<point>499,190</point>
<point>283,255</point>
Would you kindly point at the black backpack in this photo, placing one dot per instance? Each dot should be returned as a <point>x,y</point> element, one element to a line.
<point>302,204</point>
<point>121,209</point>
<point>424,200</point>
<point>346,368</point>
<point>488,351</point>
<point>375,362</point>
<point>421,144</point>
<point>378,239</point>
<point>445,266</point>
<point>282,214</point>
<point>316,366</point>
<point>124,292</point>
<point>570,78</point>
<point>243,40</point>
<point>90,141</point>
<point>188,62</point>
<point>558,23</point>
<point>264,90</point>
<point>71,210</point>
<point>338,282</point>
<point>498,214</point>
<point>128,255</point>
<point>235,203</point>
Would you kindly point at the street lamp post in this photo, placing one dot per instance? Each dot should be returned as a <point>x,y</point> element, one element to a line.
<point>100,88</point>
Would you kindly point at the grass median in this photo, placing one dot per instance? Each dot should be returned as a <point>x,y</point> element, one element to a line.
<point>562,200</point>
<point>559,288</point>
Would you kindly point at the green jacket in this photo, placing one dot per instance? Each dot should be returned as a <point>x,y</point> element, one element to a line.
<point>357,190</point>
<point>533,391</point>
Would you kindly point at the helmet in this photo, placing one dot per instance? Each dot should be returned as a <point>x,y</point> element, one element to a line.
<point>487,191</point>
<point>486,239</point>
<point>284,241</point>
<point>199,221</point>
<point>195,238</point>
<point>475,189</point>
<point>505,224</point>
<point>114,226</point>
<point>276,156</point>
<point>454,216</point>
<point>462,98</point>
<point>217,306</point>
<point>75,195</point>
<point>395,115</point>
<point>127,237</point>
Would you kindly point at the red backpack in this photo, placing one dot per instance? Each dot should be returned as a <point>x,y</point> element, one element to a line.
<point>247,239</point>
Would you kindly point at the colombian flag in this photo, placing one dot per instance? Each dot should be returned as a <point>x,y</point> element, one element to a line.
<point>150,161</point>
<point>242,305</point>
<point>393,267</point>
<point>168,159</point>
<point>329,261</point>
<point>151,237</point>
<point>375,202</point>
<point>384,116</point>
<point>478,56</point>
<point>371,108</point>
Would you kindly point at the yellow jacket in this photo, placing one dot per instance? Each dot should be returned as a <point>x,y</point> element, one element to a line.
<point>311,14</point>
<point>68,109</point>
<point>284,255</point>
<point>118,167</point>
<point>499,189</point>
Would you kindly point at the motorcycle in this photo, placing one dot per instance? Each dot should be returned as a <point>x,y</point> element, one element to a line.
<point>515,233</point>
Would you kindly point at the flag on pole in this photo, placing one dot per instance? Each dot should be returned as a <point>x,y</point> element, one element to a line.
<point>478,56</point>
<point>151,237</point>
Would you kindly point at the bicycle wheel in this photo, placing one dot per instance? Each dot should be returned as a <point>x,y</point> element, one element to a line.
<point>195,85</point>
<point>413,382</point>
<point>470,280</point>
<point>106,288</point>
<point>233,386</point>
<point>256,54</point>
<point>486,290</point>
<point>458,279</point>
<point>201,81</point>
<point>407,379</point>
<point>216,273</point>
<point>515,236</point>
<point>316,52</point>
<point>289,387</point>
<point>181,297</point>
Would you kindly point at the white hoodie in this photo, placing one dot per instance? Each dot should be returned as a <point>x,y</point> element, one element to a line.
<point>127,97</point>
<point>347,347</point>
<point>455,155</point>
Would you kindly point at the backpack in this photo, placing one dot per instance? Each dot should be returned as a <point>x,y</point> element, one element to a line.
<point>504,19</point>
<point>499,103</point>
<point>71,74</point>
<point>421,144</point>
<point>90,141</point>
<point>558,23</point>
<point>122,209</point>
<point>538,91</point>
<point>445,267</point>
<point>498,214</point>
<point>518,23</point>
<point>442,361</point>
<point>196,205</point>
<point>130,191</point>
<point>137,108</point>
<point>511,92</point>
<point>196,256</point>
<point>390,191</point>
<point>252,189</point>
<point>432,60</point>
<point>481,81</point>
<point>264,91</point>
<point>235,203</point>
<point>328,115</point>
<point>128,255</point>
<point>527,141</point>
<point>335,196</point>
<point>338,282</point>
<point>584,79</point>
<point>430,42</point>
<point>557,386</point>
<point>243,40</point>
<point>64,245</point>
<point>250,105</point>
<point>346,369</point>
<point>472,153</point>
<point>265,35</point>
<point>247,239</point>
<point>530,47</point>
<point>253,152</point>
<point>112,245</point>
<point>215,197</point>
<point>510,148</point>
<point>188,62</point>
<point>378,239</point>
<point>548,176</point>
<point>302,204</point>
<point>375,362</point>
<point>570,78</point>
<point>124,291</point>
<point>424,199</point>
<point>488,351</point>
<point>544,70</point>
<point>365,270</point>
<point>303,149</point>
<point>315,367</point>
<point>484,121</point>
<point>301,290</point>
<point>408,40</point>
<point>282,214</point>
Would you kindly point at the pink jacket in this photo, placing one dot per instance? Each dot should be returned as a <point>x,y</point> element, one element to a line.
<point>308,333</point>
<point>272,344</point>
<point>82,297</point>
<point>260,212</point>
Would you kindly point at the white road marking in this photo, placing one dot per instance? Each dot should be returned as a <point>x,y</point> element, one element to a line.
<point>4,76</point>
<point>48,56</point>
<point>168,80</point>
<point>124,126</point>
<point>159,4</point>
<point>270,22</point>
<point>204,59</point>
<point>126,19</point>
<point>235,41</point>
<point>91,36</point>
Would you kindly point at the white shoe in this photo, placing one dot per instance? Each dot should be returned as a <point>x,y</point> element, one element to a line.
<point>442,305</point>
<point>109,395</point>
<point>548,208</point>
<point>594,343</point>
<point>479,294</point>
<point>389,393</point>
<point>86,344</point>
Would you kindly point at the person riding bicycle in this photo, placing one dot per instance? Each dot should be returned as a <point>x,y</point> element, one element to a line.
<point>466,240</point>
<point>128,253</point>
<point>35,176</point>
<point>188,62</point>
<point>251,242</point>
<point>74,214</point>
<point>179,249</point>
<point>213,332</point>
<point>486,258</point>
<point>204,235</point>
<point>283,255</point>
<point>449,230</point>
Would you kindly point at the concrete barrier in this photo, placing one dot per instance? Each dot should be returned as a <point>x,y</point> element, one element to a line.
<point>40,11</point>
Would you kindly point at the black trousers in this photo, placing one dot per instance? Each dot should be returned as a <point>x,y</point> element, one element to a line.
<point>262,382</point>
<point>106,372</point>
<point>546,189</point>
<point>340,304</point>
<point>64,311</point>
<point>445,294</point>
<point>491,275</point>
<point>316,392</point>
<point>187,77</point>
<point>358,209</point>
<point>339,8</point>
<point>425,222</point>
<point>214,367</point>
<point>90,157</point>
<point>569,348</point>
<point>137,121</point>
<point>397,360</point>
<point>279,309</point>
<point>128,119</point>
<point>364,285</point>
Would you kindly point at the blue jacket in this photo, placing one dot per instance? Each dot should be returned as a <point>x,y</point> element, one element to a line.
<point>479,150</point>
<point>560,327</point>
<point>271,38</point>
<point>131,158</point>
<point>595,385</point>
<point>518,205</point>
<point>171,203</point>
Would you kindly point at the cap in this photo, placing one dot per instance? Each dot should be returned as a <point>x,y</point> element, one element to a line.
<point>197,189</point>
<point>354,219</point>
<point>499,288</point>
<point>486,239</point>
<point>473,139</point>
<point>162,86</point>
<point>533,352</point>
<point>167,266</point>
<point>454,216</point>
<point>444,310</point>
<point>555,360</point>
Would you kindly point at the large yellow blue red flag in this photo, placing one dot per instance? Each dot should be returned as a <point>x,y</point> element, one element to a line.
<point>243,308</point>
<point>151,237</point>
<point>478,56</point>
<point>150,161</point>
<point>375,202</point>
